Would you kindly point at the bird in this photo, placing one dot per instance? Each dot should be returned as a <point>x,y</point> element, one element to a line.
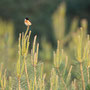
<point>27,22</point>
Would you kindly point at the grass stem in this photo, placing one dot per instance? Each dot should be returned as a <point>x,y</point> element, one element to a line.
<point>82,76</point>
<point>26,74</point>
<point>88,74</point>
<point>19,86</point>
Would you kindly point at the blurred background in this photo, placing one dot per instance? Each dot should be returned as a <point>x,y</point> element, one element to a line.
<point>52,20</point>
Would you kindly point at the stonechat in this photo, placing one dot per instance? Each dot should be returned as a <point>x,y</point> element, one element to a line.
<point>27,22</point>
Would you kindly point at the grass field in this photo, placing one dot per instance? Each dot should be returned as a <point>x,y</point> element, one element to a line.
<point>24,66</point>
<point>29,73</point>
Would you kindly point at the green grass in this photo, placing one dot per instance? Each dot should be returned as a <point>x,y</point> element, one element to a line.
<point>29,73</point>
<point>24,67</point>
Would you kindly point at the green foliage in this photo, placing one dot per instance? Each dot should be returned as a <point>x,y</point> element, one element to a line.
<point>7,45</point>
<point>30,72</point>
<point>71,60</point>
<point>46,51</point>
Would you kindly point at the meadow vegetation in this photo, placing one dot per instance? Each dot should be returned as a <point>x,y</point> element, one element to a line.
<point>24,67</point>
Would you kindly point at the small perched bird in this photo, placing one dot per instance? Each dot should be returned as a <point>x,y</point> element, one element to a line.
<point>27,22</point>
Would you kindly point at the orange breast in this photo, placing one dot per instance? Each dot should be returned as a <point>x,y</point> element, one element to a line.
<point>27,22</point>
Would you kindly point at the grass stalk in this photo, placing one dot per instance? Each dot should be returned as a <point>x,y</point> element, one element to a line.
<point>10,83</point>
<point>19,86</point>
<point>27,31</point>
<point>69,73</point>
<point>88,74</point>
<point>82,76</point>
<point>28,83</point>
<point>62,80</point>
<point>64,83</point>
